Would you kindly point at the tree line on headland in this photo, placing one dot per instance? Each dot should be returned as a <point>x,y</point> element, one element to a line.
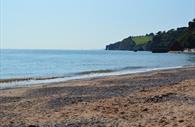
<point>163,41</point>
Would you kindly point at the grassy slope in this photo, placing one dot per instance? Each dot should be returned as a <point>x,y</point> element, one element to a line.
<point>141,39</point>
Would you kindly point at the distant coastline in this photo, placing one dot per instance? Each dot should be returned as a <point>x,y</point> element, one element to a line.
<point>180,39</point>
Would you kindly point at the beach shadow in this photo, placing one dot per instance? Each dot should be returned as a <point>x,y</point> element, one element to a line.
<point>9,99</point>
<point>170,97</point>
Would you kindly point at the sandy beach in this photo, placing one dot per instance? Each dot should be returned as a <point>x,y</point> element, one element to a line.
<point>152,99</point>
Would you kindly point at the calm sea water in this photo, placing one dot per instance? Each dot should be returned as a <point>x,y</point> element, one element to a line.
<point>69,64</point>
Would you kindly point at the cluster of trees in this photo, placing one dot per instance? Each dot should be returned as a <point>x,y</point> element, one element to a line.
<point>188,38</point>
<point>174,40</point>
<point>166,41</point>
<point>163,41</point>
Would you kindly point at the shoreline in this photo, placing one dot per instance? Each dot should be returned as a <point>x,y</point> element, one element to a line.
<point>30,81</point>
<point>157,98</point>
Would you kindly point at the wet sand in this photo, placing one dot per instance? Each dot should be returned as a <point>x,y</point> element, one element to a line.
<point>158,98</point>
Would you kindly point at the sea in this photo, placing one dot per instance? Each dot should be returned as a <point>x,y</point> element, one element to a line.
<point>25,67</point>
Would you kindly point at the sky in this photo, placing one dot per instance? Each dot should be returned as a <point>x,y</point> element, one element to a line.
<point>86,24</point>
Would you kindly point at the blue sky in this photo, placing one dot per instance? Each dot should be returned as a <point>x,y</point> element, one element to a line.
<point>86,24</point>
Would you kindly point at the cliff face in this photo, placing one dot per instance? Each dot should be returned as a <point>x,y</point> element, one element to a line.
<point>126,44</point>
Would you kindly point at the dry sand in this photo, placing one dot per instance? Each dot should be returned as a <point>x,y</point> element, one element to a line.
<point>158,98</point>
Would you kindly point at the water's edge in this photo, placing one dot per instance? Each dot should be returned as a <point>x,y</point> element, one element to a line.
<point>27,82</point>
